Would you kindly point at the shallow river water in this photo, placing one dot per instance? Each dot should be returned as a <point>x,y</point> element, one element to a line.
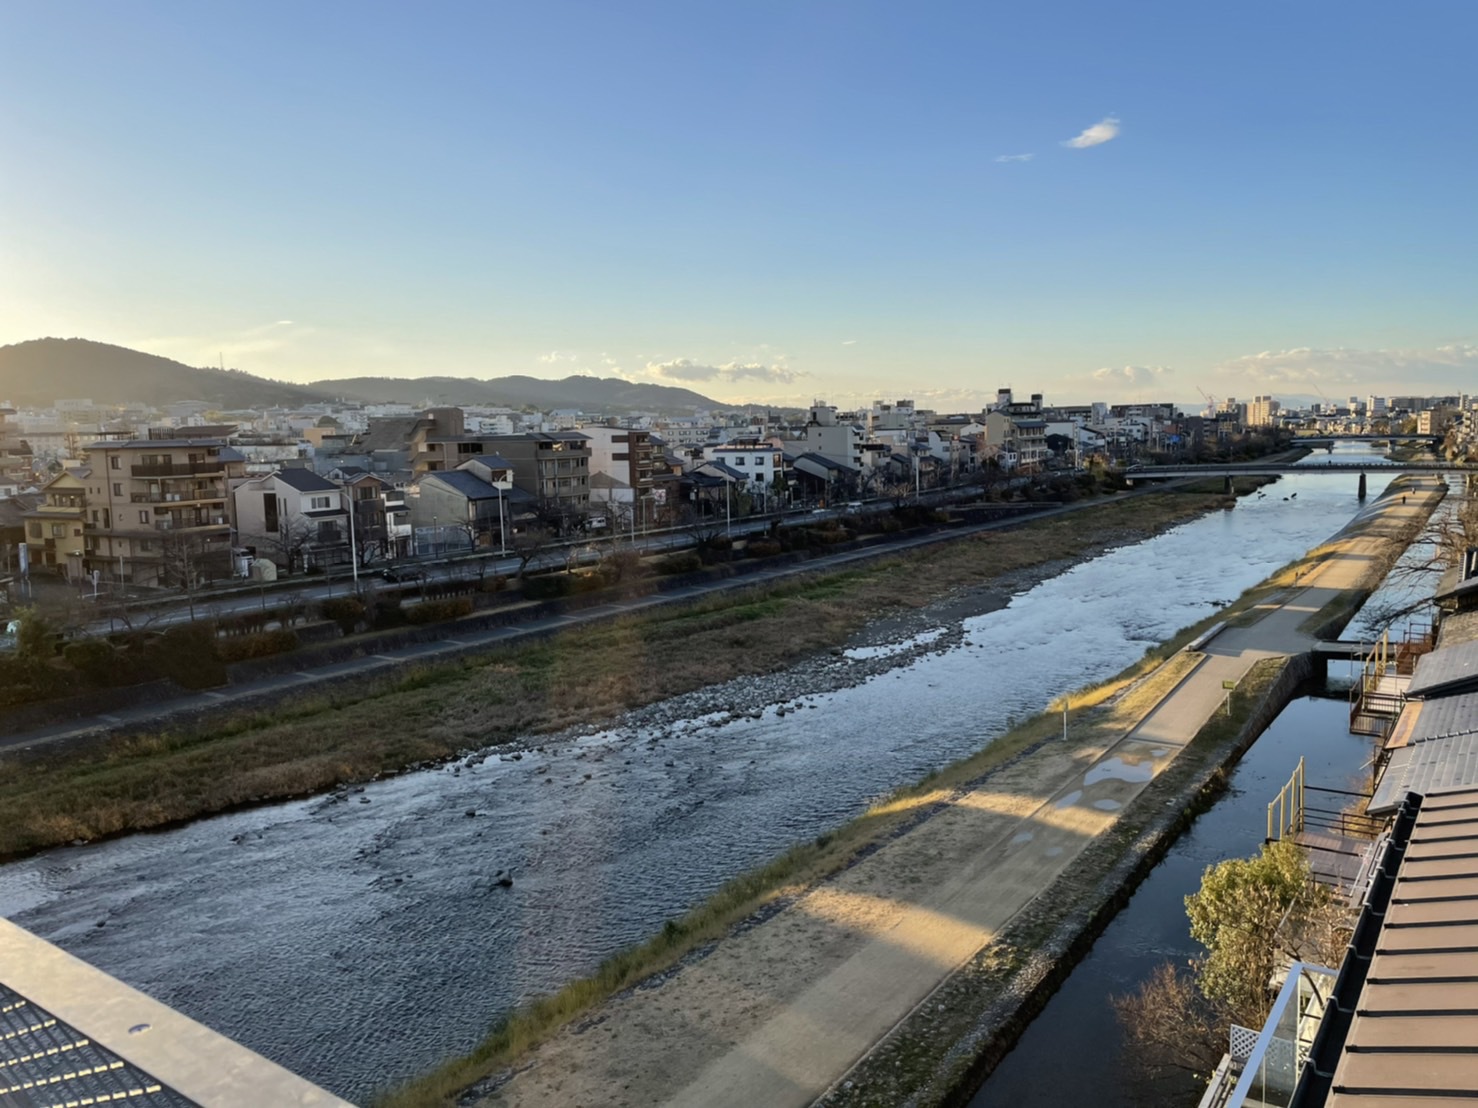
<point>359,940</point>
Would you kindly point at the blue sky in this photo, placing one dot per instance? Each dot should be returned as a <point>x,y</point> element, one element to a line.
<point>764,201</point>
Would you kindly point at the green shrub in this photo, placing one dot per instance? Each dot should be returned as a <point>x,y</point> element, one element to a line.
<point>550,586</point>
<point>94,659</point>
<point>187,655</point>
<point>22,682</point>
<point>683,562</point>
<point>346,611</point>
<point>387,613</point>
<point>434,611</point>
<point>263,644</point>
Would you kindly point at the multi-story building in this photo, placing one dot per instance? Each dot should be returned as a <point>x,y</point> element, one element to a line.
<point>759,462</point>
<point>624,453</point>
<point>15,454</point>
<point>157,510</point>
<point>551,466</point>
<point>1260,411</point>
<point>54,526</point>
<point>1017,432</point>
<point>294,517</point>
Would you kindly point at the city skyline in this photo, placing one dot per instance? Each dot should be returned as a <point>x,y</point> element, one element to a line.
<point>771,204</point>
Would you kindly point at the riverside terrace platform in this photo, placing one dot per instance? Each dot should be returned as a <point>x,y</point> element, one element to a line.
<point>72,1035</point>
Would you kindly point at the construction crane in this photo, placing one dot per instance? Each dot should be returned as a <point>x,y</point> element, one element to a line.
<point>1210,400</point>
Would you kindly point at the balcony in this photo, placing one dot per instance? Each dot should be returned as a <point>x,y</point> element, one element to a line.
<point>189,523</point>
<point>179,469</point>
<point>184,496</point>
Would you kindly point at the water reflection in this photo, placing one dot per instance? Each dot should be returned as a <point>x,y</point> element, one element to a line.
<point>358,942</point>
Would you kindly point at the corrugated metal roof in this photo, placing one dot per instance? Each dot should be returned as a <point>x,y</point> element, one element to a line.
<point>1412,1038</point>
<point>1438,749</point>
<point>1447,669</point>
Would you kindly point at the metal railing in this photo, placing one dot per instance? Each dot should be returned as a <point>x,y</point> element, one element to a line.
<point>1288,807</point>
<point>178,469</point>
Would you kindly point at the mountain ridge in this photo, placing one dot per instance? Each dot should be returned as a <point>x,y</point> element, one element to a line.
<point>39,372</point>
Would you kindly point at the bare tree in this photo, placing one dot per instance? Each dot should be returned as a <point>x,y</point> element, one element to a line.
<point>528,544</point>
<point>186,564</point>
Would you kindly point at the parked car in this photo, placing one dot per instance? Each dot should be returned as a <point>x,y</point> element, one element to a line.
<point>403,573</point>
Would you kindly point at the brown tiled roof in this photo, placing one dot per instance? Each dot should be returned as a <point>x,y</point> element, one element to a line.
<point>1413,1039</point>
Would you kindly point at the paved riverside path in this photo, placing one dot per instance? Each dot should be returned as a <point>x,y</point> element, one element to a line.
<point>461,643</point>
<point>778,1013</point>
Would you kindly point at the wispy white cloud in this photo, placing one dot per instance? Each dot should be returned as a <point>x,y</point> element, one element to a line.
<point>1101,132</point>
<point>1015,157</point>
<point>849,342</point>
<point>1449,367</point>
<point>554,357</point>
<point>687,370</point>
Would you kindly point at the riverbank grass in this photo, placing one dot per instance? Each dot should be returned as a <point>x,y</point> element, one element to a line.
<point>384,725</point>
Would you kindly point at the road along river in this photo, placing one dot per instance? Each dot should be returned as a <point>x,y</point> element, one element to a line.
<point>360,938</point>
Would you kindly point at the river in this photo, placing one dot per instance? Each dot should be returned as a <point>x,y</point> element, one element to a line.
<point>359,940</point>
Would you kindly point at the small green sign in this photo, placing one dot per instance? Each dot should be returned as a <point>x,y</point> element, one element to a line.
<point>1229,684</point>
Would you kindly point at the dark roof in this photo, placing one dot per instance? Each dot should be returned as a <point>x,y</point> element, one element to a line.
<point>469,485</point>
<point>1447,669</point>
<point>1438,749</point>
<point>823,460</point>
<point>231,454</point>
<point>305,480</point>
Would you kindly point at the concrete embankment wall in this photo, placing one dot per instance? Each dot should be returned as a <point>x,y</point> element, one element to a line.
<point>1071,914</point>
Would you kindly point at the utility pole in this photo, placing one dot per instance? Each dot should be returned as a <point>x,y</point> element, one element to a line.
<point>353,542</point>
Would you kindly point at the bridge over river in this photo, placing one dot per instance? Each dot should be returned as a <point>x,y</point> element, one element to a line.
<point>1251,469</point>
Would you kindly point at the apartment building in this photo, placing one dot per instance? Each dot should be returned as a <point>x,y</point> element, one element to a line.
<point>15,454</point>
<point>554,468</point>
<point>625,454</point>
<point>157,510</point>
<point>1016,430</point>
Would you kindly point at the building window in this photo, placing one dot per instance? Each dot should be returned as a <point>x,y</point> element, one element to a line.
<point>35,529</point>
<point>58,531</point>
<point>117,489</point>
<point>320,503</point>
<point>143,517</point>
<point>113,462</point>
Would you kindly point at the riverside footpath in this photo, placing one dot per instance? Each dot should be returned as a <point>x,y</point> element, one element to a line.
<point>788,1007</point>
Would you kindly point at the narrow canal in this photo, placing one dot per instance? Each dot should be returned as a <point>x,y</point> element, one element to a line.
<point>1153,928</point>
<point>360,940</point>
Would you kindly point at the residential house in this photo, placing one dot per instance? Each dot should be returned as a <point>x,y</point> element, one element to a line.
<point>157,509</point>
<point>294,517</point>
<point>54,526</point>
<point>474,505</point>
<point>381,518</point>
<point>760,464</point>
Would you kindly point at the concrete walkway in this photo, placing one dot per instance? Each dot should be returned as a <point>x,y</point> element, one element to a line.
<point>765,1020</point>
